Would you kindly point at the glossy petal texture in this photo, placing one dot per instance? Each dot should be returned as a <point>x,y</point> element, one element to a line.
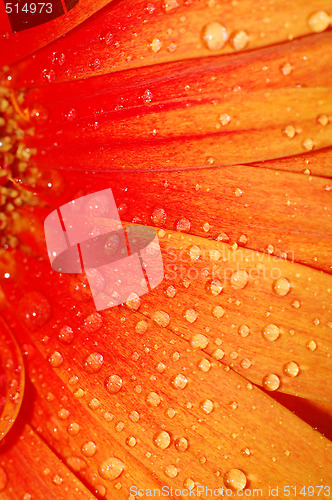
<point>211,122</point>
<point>138,33</point>
<point>152,402</point>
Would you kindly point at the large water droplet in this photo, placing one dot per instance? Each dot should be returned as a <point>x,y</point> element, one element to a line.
<point>93,362</point>
<point>111,468</point>
<point>270,332</point>
<point>34,310</point>
<point>281,286</point>
<point>179,381</point>
<point>291,369</point>
<point>319,21</point>
<point>113,384</point>
<point>271,382</point>
<point>239,279</point>
<point>214,36</point>
<point>235,479</point>
<point>162,440</point>
<point>89,449</point>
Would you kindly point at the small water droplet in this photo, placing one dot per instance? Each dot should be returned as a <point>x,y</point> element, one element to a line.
<point>199,341</point>
<point>141,327</point>
<point>214,286</point>
<point>48,75</point>
<point>239,40</point>
<point>218,312</point>
<point>171,471</point>
<point>183,225</point>
<point>155,45</point>
<point>55,359</point>
<point>244,330</point>
<point>207,406</point>
<point>66,334</point>
<point>73,429</point>
<point>159,216</point>
<point>181,444</point>
<point>153,399</point>
<point>190,315</point>
<point>169,6</point>
<point>204,365</point>
<point>161,318</point>
<point>311,345</point>
<point>93,323</point>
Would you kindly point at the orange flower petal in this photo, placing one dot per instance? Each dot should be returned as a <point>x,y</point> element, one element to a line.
<point>30,469</point>
<point>11,381</point>
<point>284,214</point>
<point>167,405</point>
<point>138,33</point>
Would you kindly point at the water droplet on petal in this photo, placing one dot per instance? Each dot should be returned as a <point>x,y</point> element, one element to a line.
<point>281,286</point>
<point>89,449</point>
<point>207,406</point>
<point>214,36</point>
<point>270,332</point>
<point>239,279</point>
<point>113,384</point>
<point>111,468</point>
<point>244,330</point>
<point>159,216</point>
<point>34,310</point>
<point>214,287</point>
<point>161,318</point>
<point>171,471</point>
<point>93,362</point>
<point>66,334</point>
<point>162,440</point>
<point>183,225</point>
<point>153,399</point>
<point>271,382</point>
<point>179,381</point>
<point>239,40</point>
<point>55,359</point>
<point>291,369</point>
<point>181,444</point>
<point>199,341</point>
<point>235,479</point>
<point>319,21</point>
<point>311,345</point>
<point>190,315</point>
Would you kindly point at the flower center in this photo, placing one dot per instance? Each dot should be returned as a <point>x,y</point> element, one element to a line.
<point>16,173</point>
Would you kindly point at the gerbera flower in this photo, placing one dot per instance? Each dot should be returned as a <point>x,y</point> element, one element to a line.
<point>211,122</point>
